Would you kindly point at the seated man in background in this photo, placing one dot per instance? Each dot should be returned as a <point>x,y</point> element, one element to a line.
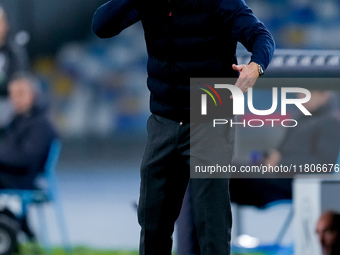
<point>25,146</point>
<point>328,230</point>
<point>315,140</point>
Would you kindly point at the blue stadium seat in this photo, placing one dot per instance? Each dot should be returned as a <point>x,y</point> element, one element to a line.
<point>48,192</point>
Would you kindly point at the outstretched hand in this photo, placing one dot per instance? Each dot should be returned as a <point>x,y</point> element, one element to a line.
<point>248,75</point>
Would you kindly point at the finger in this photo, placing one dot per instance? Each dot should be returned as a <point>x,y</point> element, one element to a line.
<point>244,89</point>
<point>241,83</point>
<point>238,67</point>
<point>245,83</point>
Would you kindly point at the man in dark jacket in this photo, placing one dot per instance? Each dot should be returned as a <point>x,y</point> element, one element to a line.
<point>25,146</point>
<point>186,39</point>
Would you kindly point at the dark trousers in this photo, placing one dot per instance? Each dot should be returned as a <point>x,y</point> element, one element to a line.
<point>187,243</point>
<point>165,173</point>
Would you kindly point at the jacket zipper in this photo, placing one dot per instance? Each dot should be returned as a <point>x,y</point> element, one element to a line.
<point>170,49</point>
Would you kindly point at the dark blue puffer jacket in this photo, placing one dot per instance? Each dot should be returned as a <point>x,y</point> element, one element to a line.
<point>24,149</point>
<point>186,38</point>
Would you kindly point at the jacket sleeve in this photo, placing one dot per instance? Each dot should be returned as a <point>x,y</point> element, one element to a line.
<point>248,30</point>
<point>32,151</point>
<point>113,17</point>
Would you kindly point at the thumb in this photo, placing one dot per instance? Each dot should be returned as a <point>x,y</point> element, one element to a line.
<point>237,67</point>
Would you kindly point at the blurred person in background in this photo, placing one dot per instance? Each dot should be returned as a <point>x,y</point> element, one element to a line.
<point>315,140</point>
<point>13,58</point>
<point>186,39</point>
<point>328,231</point>
<point>25,145</point>
<point>27,139</point>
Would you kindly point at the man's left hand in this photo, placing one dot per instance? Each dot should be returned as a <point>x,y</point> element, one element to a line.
<point>248,75</point>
